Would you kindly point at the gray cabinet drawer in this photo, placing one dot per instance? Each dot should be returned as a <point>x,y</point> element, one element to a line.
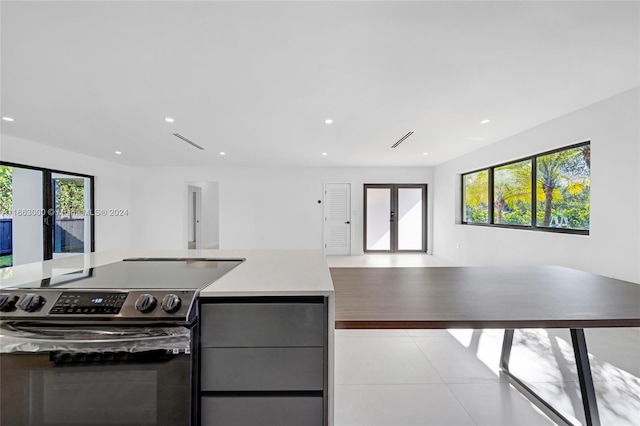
<point>261,369</point>
<point>261,324</point>
<point>249,411</point>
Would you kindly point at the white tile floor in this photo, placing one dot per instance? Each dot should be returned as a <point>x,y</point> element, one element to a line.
<point>451,377</point>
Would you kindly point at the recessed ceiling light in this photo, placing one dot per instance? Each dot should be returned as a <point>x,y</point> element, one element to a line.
<point>7,118</point>
<point>223,153</point>
<point>118,152</point>
<point>324,153</point>
<point>168,119</point>
<point>485,121</point>
<point>425,153</point>
<point>328,121</point>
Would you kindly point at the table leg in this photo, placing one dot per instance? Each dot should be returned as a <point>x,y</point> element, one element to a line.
<point>587,390</point>
<point>507,343</point>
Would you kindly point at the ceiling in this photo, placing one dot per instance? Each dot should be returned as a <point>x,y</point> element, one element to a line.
<point>257,80</point>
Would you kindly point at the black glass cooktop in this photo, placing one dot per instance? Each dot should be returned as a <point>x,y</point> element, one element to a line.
<point>142,273</point>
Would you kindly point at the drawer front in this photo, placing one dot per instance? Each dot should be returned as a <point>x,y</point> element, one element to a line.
<point>261,369</point>
<point>261,324</point>
<point>249,411</point>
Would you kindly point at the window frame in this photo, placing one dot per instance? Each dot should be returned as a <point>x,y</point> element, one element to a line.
<point>491,193</point>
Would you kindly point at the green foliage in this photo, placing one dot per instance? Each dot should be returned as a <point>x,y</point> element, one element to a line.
<point>477,214</point>
<point>6,261</point>
<point>476,197</point>
<point>6,192</point>
<point>563,187</point>
<point>69,197</point>
<point>519,215</point>
<point>476,188</point>
<point>512,191</point>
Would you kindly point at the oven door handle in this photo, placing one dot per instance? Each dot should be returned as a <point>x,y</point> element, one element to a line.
<point>19,338</point>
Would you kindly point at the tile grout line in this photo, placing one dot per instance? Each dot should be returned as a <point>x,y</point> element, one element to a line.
<point>445,383</point>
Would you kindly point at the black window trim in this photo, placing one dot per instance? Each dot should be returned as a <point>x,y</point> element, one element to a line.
<point>533,226</point>
<point>47,229</point>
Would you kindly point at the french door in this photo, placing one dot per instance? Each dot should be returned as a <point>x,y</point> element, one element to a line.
<point>395,218</point>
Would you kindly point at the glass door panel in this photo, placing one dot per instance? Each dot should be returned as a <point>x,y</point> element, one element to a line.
<point>377,220</point>
<point>72,225</point>
<point>21,215</point>
<point>410,219</point>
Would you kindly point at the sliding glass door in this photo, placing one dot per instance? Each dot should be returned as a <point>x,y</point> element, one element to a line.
<point>44,214</point>
<point>22,236</point>
<point>395,218</point>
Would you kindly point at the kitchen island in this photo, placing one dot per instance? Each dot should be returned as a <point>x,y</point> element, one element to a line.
<point>263,342</point>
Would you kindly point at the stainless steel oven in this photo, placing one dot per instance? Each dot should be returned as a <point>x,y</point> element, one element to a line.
<point>112,345</point>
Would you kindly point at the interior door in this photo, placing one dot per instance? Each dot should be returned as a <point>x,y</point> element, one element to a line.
<point>395,218</point>
<point>337,218</point>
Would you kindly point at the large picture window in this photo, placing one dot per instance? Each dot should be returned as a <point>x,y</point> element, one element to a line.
<point>549,191</point>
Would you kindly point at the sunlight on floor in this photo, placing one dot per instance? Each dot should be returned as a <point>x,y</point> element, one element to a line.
<point>438,377</point>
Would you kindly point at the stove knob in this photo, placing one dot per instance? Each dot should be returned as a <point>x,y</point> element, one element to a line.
<point>31,302</point>
<point>146,303</point>
<point>8,302</point>
<point>171,303</point>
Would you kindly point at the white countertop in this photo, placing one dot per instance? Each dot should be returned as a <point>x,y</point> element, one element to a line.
<point>264,272</point>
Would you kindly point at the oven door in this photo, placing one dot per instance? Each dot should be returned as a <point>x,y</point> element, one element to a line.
<point>130,376</point>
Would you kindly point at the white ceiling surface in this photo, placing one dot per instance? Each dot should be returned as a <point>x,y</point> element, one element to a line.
<point>258,79</point>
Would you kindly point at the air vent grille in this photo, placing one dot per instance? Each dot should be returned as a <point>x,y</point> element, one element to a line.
<point>179,136</point>
<point>402,139</point>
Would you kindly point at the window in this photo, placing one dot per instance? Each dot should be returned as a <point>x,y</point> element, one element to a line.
<point>552,187</point>
<point>564,183</point>
<point>476,197</point>
<point>512,194</point>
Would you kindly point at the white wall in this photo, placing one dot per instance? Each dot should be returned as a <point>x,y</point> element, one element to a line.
<point>27,228</point>
<point>613,246</point>
<point>260,208</point>
<point>112,183</point>
<point>210,214</point>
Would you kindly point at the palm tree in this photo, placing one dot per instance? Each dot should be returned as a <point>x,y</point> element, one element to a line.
<point>476,192</point>
<point>512,184</point>
<point>564,168</point>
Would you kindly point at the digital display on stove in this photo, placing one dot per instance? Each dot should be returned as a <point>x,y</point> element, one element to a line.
<point>89,303</point>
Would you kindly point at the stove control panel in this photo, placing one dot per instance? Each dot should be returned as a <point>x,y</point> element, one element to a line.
<point>83,303</point>
<point>134,306</point>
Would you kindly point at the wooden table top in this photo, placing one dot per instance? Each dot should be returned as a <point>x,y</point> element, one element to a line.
<point>482,297</point>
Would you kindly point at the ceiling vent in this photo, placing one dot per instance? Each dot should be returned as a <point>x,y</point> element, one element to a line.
<point>179,136</point>
<point>402,139</point>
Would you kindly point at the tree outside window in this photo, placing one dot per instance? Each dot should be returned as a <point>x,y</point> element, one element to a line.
<point>562,190</point>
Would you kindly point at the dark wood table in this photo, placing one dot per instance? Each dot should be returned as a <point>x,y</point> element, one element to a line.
<point>490,297</point>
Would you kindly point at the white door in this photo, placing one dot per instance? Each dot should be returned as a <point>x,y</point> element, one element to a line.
<point>337,218</point>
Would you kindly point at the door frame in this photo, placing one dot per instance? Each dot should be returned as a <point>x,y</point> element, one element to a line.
<point>394,208</point>
<point>196,214</point>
